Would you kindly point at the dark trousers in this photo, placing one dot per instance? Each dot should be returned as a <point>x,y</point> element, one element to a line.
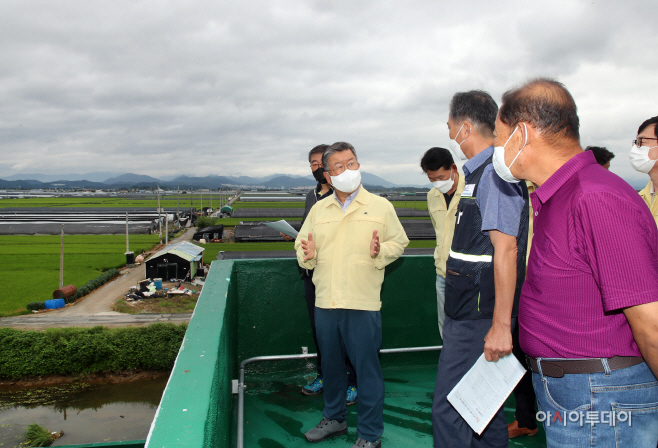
<point>524,394</point>
<point>357,334</point>
<point>463,343</point>
<point>309,292</point>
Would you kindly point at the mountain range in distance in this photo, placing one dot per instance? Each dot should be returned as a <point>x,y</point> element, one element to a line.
<point>105,180</point>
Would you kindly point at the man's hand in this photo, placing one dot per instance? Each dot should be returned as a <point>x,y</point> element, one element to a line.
<point>286,237</point>
<point>308,247</point>
<point>374,245</point>
<point>497,342</point>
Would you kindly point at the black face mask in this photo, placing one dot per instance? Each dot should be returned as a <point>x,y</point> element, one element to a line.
<point>319,175</point>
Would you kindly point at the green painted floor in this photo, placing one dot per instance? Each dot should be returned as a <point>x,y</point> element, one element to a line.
<point>277,414</point>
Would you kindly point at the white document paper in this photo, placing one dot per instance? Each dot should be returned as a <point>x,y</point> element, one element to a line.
<point>483,390</point>
<point>283,227</point>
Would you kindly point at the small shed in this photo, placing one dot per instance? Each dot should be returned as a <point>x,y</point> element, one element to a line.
<point>209,233</point>
<point>175,262</point>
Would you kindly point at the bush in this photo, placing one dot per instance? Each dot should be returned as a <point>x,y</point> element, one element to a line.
<point>65,351</point>
<point>36,306</point>
<point>93,284</point>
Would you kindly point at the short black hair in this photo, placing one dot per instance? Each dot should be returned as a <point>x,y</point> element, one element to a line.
<point>647,123</point>
<point>601,154</point>
<point>546,104</point>
<point>435,159</point>
<point>320,149</point>
<point>476,106</point>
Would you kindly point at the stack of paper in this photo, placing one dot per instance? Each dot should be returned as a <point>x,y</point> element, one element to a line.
<point>283,227</point>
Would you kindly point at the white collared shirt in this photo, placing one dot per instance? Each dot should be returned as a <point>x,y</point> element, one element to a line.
<point>348,200</point>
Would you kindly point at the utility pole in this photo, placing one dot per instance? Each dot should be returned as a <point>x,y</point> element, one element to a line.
<point>61,261</point>
<point>166,229</point>
<point>201,199</point>
<point>211,200</point>
<point>178,205</point>
<point>130,256</point>
<point>127,245</point>
<point>159,218</point>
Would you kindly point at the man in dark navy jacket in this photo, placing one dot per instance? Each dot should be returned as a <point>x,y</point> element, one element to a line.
<point>485,269</point>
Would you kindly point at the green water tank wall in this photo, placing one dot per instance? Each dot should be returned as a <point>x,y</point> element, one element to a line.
<point>256,307</point>
<point>273,318</point>
<point>195,410</point>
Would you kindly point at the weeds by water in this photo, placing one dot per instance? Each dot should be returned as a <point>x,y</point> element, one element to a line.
<point>37,435</point>
<point>40,396</point>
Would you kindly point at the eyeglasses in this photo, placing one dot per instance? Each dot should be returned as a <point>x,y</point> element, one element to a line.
<point>339,169</point>
<point>315,165</point>
<point>639,141</point>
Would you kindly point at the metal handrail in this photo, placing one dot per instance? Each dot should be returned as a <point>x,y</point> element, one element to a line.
<point>241,385</point>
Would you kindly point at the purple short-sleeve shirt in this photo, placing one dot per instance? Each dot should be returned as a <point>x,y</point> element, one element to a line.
<point>594,252</point>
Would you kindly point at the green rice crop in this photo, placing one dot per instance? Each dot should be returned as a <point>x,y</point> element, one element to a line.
<point>148,201</point>
<point>418,205</point>
<point>212,249</point>
<point>248,204</point>
<point>165,201</point>
<point>30,264</point>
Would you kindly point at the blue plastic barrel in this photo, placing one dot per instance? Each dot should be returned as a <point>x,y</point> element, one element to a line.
<point>158,283</point>
<point>54,304</point>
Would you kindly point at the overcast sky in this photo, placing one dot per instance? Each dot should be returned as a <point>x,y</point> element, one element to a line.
<point>249,87</point>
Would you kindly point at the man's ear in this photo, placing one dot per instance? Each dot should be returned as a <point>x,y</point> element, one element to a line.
<point>327,176</point>
<point>530,133</point>
<point>468,129</point>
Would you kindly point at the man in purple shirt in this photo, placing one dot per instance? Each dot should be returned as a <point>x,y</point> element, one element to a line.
<point>589,305</point>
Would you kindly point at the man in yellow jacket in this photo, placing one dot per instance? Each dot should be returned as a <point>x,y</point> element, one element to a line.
<point>349,240</point>
<point>442,202</point>
<point>643,155</point>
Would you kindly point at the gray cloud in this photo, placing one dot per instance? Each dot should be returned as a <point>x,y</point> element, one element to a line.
<point>249,87</point>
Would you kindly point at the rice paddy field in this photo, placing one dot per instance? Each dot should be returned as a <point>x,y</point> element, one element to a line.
<point>30,264</point>
<point>418,205</point>
<point>165,201</point>
<point>212,249</point>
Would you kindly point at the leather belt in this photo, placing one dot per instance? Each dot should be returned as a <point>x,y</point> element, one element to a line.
<point>557,369</point>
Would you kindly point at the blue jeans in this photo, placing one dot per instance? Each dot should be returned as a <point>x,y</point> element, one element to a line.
<point>441,301</point>
<point>617,408</point>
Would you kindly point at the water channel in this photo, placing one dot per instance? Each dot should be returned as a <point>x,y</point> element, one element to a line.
<point>87,412</point>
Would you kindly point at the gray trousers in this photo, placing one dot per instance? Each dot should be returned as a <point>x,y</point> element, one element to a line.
<point>463,343</point>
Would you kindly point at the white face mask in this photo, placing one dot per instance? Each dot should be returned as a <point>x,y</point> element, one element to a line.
<point>456,148</point>
<point>347,181</point>
<point>640,158</point>
<point>444,186</point>
<point>499,159</point>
